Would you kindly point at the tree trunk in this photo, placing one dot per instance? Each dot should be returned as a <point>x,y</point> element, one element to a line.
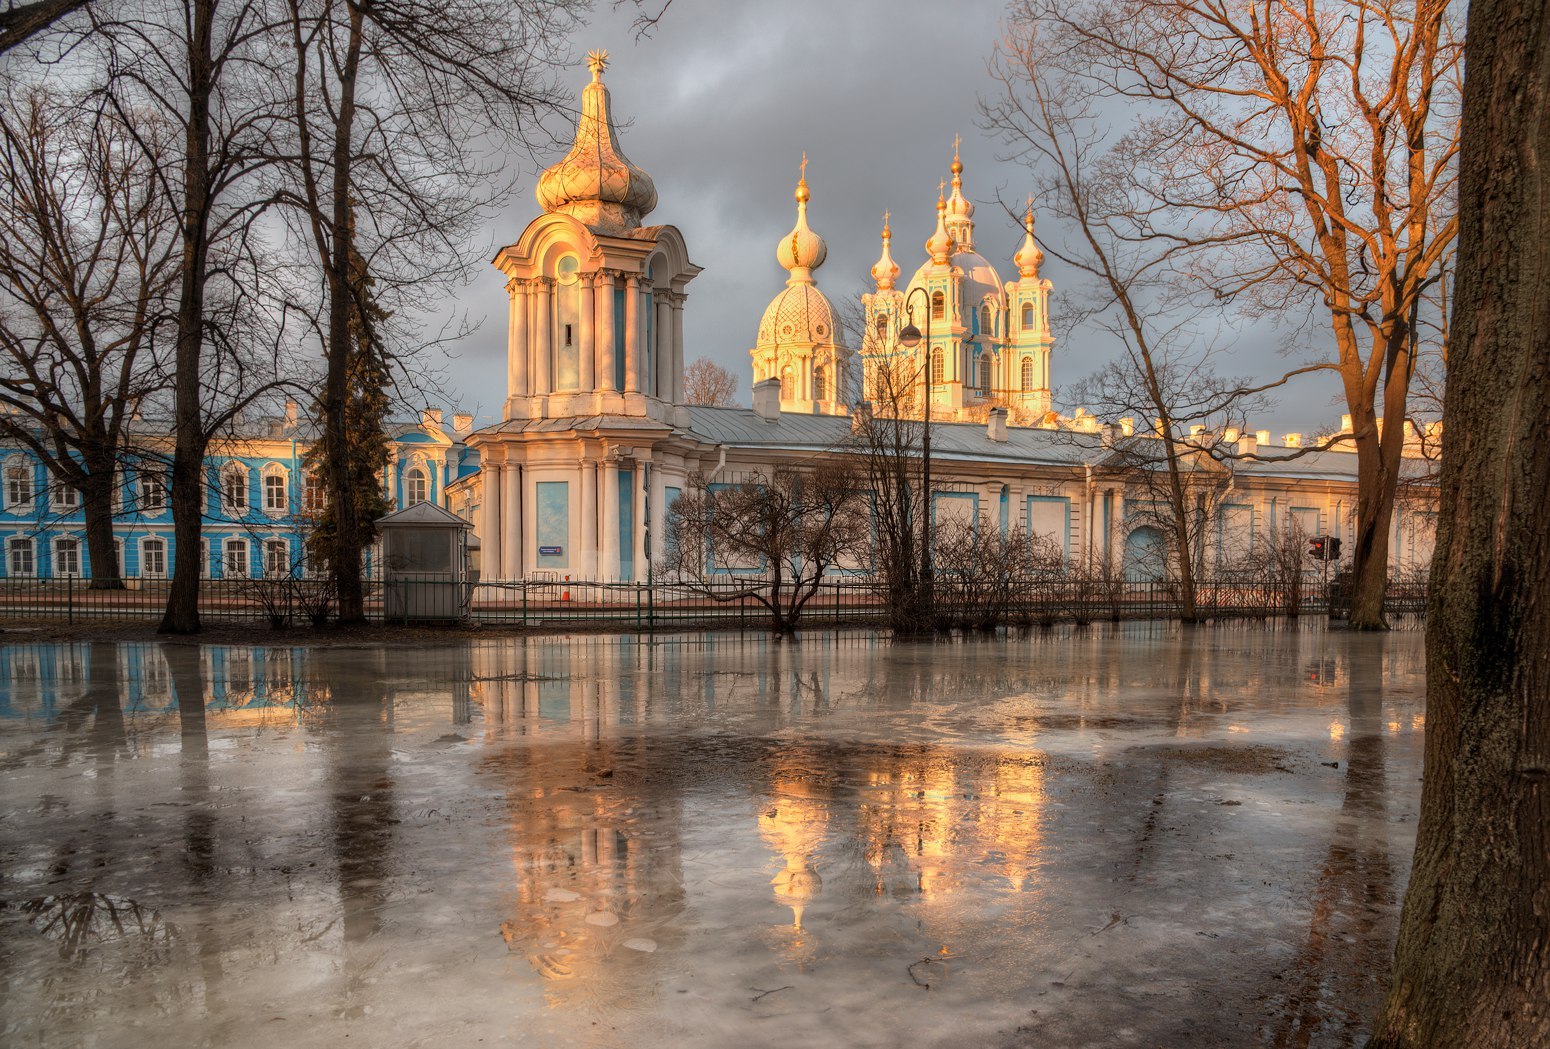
<point>1472,968</point>
<point>188,496</point>
<point>342,309</point>
<point>97,505</point>
<point>1377,466</point>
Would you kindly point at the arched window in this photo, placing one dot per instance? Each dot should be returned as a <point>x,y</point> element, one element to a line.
<point>785,384</point>
<point>936,365</point>
<point>1027,316</point>
<point>416,486</point>
<point>820,389</point>
<point>153,557</point>
<point>277,558</point>
<point>882,327</point>
<point>234,489</point>
<point>153,491</point>
<point>938,306</point>
<point>987,325</point>
<point>1027,373</point>
<point>984,376</point>
<point>276,497</point>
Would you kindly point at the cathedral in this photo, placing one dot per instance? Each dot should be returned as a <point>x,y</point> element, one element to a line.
<point>595,441</point>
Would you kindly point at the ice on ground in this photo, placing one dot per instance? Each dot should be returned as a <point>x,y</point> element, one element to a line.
<point>1134,836</point>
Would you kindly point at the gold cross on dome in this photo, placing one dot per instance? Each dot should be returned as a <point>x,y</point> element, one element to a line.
<point>941,186</point>
<point>597,61</point>
<point>957,141</point>
<point>804,163</point>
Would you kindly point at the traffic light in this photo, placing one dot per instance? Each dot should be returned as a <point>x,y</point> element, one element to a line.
<point>1317,548</point>
<point>1333,547</point>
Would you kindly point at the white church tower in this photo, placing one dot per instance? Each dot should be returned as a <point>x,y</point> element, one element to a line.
<point>798,340</point>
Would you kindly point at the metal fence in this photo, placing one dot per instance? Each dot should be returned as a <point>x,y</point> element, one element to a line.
<point>647,606</point>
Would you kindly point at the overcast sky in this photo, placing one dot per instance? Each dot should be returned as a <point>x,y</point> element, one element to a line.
<point>718,106</point>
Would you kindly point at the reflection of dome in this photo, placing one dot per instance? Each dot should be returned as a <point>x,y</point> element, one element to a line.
<point>595,182</point>
<point>799,314</point>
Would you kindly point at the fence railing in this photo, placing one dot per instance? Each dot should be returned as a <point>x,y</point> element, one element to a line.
<point>647,606</point>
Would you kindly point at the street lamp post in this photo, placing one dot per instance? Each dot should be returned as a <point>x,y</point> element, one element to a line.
<point>910,338</point>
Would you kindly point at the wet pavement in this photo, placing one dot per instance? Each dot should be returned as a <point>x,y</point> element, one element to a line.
<point>1129,836</point>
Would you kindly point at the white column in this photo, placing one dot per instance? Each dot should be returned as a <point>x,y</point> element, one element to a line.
<point>588,560</point>
<point>658,508</point>
<point>516,346</point>
<point>678,348</point>
<point>511,519</point>
<point>489,515</point>
<point>609,569</point>
<point>662,360</point>
<point>632,327</point>
<point>605,330</point>
<point>543,344</point>
<point>588,351</point>
<point>638,495</point>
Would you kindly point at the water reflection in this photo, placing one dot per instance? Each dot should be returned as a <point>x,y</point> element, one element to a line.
<point>602,840</point>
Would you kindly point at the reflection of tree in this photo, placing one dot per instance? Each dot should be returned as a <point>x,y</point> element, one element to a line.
<point>83,919</point>
<point>1337,978</point>
<point>360,743</point>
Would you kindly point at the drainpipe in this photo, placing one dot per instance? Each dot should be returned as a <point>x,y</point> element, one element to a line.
<point>721,463</point>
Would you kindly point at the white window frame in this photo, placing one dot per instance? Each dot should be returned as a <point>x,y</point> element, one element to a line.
<point>274,471</point>
<point>152,481</point>
<point>314,492</point>
<point>283,569</point>
<point>204,559</point>
<point>420,468</point>
<point>11,545</point>
<point>63,496</point>
<point>227,546</point>
<point>230,470</point>
<point>28,476</point>
<point>56,561</point>
<point>166,548</point>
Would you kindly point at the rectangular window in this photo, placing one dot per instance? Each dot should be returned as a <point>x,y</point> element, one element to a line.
<point>153,557</point>
<point>277,558</point>
<point>18,486</point>
<point>235,564</point>
<point>22,563</point>
<point>64,496</point>
<point>274,493</point>
<point>67,557</point>
<point>314,495</point>
<point>153,491</point>
<point>234,491</point>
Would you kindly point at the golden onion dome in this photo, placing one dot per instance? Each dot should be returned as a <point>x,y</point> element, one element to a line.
<point>595,182</point>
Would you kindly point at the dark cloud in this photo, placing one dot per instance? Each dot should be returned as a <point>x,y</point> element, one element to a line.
<point>718,106</point>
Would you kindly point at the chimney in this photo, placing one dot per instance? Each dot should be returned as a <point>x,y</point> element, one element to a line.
<point>462,424</point>
<point>766,399</point>
<point>996,428</point>
<point>1248,443</point>
<point>290,415</point>
<point>431,417</point>
<point>1262,437</point>
<point>1127,426</point>
<point>1106,435</point>
<point>862,417</point>
<point>1292,440</point>
<point>1197,433</point>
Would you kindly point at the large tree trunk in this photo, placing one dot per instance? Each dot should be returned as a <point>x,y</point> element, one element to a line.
<point>97,505</point>
<point>1472,968</point>
<point>188,496</point>
<point>342,310</point>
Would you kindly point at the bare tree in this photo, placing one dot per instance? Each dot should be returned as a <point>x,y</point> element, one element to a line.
<point>708,383</point>
<point>380,174</point>
<point>772,539</point>
<point>88,265</point>
<point>986,578</point>
<point>1298,157</point>
<point>20,22</point>
<point>1471,969</point>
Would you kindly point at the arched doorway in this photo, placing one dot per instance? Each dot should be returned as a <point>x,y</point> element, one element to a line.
<point>1145,556</point>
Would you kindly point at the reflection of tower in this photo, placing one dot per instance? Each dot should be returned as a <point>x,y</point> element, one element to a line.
<point>794,823</point>
<point>595,832</point>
